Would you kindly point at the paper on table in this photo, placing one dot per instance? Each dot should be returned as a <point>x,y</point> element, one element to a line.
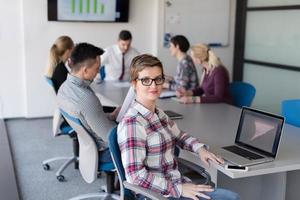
<point>105,101</point>
<point>126,104</point>
<point>167,94</point>
<point>175,99</point>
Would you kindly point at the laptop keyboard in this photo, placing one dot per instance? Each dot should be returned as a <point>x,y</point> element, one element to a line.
<point>242,152</point>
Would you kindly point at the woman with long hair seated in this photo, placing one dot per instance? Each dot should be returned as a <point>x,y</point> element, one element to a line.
<point>214,83</point>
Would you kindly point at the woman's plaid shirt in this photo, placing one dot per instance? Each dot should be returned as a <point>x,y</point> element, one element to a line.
<point>147,141</point>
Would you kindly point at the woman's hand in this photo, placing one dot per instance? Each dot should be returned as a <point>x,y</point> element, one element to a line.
<point>190,99</point>
<point>194,191</point>
<point>166,85</point>
<point>186,99</point>
<point>180,92</point>
<point>207,156</point>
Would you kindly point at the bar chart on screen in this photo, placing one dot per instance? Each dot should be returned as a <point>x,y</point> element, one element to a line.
<point>87,10</point>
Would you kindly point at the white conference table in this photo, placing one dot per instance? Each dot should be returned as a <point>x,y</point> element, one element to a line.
<point>216,125</point>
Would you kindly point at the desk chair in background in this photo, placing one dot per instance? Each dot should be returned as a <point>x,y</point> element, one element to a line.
<point>126,188</point>
<point>101,75</point>
<point>102,72</point>
<point>60,127</point>
<point>242,93</point>
<point>88,160</point>
<point>290,109</point>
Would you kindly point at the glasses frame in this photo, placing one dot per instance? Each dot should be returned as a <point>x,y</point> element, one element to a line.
<point>152,80</point>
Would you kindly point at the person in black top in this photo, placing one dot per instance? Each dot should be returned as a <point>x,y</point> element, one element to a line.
<point>60,51</point>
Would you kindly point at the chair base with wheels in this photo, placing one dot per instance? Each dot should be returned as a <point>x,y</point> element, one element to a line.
<point>65,129</point>
<point>107,191</point>
<point>59,176</point>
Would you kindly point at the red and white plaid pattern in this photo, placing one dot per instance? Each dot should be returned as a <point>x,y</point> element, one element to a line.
<point>147,141</point>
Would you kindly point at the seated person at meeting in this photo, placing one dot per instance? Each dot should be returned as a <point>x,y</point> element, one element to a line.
<point>117,58</point>
<point>147,139</point>
<point>214,83</point>
<point>77,98</point>
<point>186,73</point>
<point>59,54</point>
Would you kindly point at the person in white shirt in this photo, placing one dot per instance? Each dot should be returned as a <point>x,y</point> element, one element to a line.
<point>117,58</point>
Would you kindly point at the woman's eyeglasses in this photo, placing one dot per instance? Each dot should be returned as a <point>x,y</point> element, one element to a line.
<point>148,81</point>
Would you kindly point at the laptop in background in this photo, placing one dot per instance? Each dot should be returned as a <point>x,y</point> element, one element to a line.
<point>257,139</point>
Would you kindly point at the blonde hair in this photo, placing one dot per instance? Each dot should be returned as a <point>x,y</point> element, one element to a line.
<point>57,50</point>
<point>205,54</point>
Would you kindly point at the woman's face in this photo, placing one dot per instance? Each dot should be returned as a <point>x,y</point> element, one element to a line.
<point>148,85</point>
<point>197,61</point>
<point>67,54</point>
<point>173,49</point>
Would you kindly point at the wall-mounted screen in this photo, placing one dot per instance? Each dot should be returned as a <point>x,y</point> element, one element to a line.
<point>88,10</point>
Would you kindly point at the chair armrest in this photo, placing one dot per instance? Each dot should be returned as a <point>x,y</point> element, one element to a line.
<point>200,170</point>
<point>140,190</point>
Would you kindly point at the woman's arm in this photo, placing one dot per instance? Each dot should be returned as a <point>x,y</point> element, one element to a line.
<point>220,81</point>
<point>184,140</point>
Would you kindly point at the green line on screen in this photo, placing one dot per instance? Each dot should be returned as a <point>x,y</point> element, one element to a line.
<point>73,6</point>
<point>95,6</point>
<point>102,8</point>
<point>80,6</point>
<point>87,6</point>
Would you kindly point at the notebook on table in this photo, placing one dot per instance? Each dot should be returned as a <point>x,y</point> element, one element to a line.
<point>167,94</point>
<point>257,138</point>
<point>173,115</point>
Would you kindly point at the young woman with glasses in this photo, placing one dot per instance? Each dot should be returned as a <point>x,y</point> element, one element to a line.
<point>147,138</point>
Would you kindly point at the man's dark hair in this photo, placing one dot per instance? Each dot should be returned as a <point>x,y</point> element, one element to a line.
<point>181,41</point>
<point>125,35</point>
<point>83,52</point>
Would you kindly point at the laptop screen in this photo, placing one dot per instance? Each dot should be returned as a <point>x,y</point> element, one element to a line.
<point>259,131</point>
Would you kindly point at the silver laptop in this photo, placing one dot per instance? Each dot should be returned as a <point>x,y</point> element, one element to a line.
<point>257,139</point>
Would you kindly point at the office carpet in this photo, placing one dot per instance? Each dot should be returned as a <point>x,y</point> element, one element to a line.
<point>32,142</point>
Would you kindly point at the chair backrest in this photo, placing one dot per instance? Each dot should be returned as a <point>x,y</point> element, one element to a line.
<point>242,93</point>
<point>49,81</point>
<point>57,117</point>
<point>116,157</point>
<point>102,72</point>
<point>88,151</point>
<point>290,109</point>
<point>56,123</point>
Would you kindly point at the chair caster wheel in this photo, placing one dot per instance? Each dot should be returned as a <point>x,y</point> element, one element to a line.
<point>46,167</point>
<point>60,178</point>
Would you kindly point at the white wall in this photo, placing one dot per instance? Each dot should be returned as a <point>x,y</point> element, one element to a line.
<point>225,53</point>
<point>12,64</point>
<point>26,36</point>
